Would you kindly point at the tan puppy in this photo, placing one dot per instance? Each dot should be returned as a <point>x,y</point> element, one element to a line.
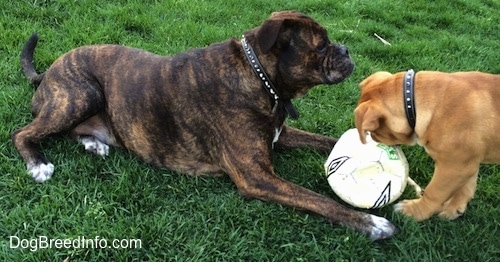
<point>457,118</point>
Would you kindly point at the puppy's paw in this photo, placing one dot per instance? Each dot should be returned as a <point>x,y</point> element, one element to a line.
<point>452,211</point>
<point>451,214</point>
<point>381,228</point>
<point>93,145</point>
<point>40,172</point>
<point>413,208</point>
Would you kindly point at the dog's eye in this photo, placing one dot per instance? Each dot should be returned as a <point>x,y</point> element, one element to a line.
<point>322,48</point>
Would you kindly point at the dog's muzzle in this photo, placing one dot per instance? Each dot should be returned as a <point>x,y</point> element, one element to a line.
<point>338,65</point>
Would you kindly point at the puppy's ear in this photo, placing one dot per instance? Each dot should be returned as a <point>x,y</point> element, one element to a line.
<point>367,119</point>
<point>268,34</point>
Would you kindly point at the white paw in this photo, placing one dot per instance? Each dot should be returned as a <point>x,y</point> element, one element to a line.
<point>40,172</point>
<point>398,207</point>
<point>382,228</point>
<point>95,146</point>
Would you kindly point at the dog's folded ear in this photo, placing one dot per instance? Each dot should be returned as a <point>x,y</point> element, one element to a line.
<point>367,119</point>
<point>268,34</point>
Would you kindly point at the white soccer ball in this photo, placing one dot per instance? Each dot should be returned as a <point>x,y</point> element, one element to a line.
<point>369,175</point>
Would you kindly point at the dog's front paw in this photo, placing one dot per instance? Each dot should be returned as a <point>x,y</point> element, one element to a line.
<point>40,172</point>
<point>453,210</point>
<point>451,214</point>
<point>381,228</point>
<point>413,208</point>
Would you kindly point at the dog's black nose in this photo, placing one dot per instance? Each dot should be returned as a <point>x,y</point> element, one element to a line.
<point>342,50</point>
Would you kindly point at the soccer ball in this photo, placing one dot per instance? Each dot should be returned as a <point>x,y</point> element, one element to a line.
<point>369,175</point>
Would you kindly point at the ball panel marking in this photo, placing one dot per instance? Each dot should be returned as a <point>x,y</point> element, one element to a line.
<point>368,175</point>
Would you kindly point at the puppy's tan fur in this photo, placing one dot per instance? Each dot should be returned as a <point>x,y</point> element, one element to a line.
<point>458,118</point>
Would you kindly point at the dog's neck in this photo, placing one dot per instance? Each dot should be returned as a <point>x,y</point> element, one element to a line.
<point>266,81</point>
<point>409,97</point>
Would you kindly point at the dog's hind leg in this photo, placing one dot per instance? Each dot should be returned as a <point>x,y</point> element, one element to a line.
<point>57,110</point>
<point>25,140</point>
<point>95,134</point>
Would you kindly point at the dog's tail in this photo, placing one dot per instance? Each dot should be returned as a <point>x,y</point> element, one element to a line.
<point>27,61</point>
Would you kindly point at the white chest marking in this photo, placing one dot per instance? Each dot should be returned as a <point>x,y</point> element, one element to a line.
<point>277,134</point>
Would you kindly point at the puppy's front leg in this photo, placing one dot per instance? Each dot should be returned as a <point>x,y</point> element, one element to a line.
<point>457,204</point>
<point>253,175</point>
<point>448,179</point>
<point>291,138</point>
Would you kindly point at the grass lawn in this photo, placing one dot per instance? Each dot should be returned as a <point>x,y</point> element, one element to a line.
<point>183,218</point>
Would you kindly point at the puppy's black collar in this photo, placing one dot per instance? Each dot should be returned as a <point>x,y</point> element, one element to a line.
<point>266,82</point>
<point>409,97</point>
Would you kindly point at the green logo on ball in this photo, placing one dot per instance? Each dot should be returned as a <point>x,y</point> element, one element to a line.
<point>392,154</point>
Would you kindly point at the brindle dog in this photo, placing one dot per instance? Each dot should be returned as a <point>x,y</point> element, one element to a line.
<point>215,110</point>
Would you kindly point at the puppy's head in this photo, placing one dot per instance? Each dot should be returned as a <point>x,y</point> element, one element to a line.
<point>304,54</point>
<point>380,110</point>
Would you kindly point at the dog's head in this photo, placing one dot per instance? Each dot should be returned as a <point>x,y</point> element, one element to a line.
<point>380,110</point>
<point>303,55</point>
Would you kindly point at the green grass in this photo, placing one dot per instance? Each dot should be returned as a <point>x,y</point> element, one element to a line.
<point>202,218</point>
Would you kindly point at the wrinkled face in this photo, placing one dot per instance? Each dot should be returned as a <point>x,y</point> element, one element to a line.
<point>311,56</point>
<point>306,57</point>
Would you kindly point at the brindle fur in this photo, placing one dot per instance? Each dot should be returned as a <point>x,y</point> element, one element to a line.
<point>200,112</point>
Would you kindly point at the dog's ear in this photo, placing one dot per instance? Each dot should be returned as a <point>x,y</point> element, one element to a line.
<point>278,29</point>
<point>268,34</point>
<point>367,119</point>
